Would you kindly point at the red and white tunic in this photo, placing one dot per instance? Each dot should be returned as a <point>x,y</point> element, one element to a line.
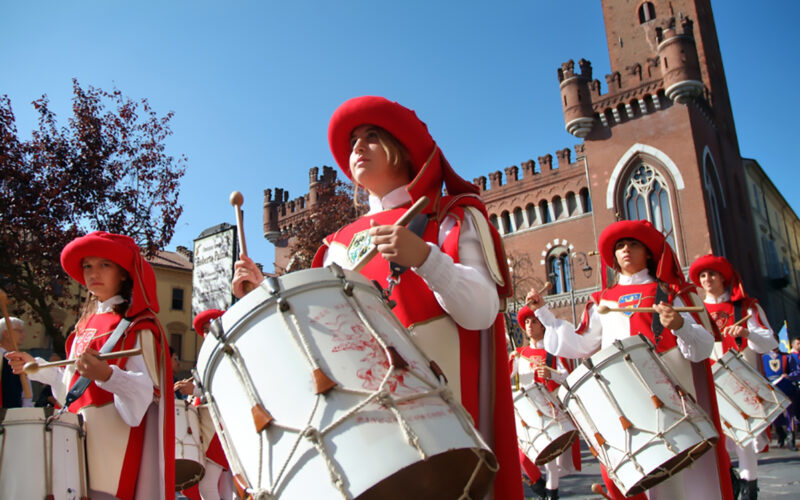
<point>448,304</point>
<point>123,424</point>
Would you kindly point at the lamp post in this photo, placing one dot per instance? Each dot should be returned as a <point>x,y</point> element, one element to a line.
<point>582,259</point>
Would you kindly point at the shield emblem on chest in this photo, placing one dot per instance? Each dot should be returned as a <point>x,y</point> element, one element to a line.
<point>775,365</point>
<point>720,318</point>
<point>630,300</point>
<point>359,246</point>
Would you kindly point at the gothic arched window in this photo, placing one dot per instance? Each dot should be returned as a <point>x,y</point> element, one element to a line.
<point>714,192</point>
<point>646,196</point>
<point>558,270</point>
<point>647,12</point>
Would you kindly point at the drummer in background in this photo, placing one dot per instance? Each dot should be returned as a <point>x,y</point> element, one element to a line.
<point>450,295</point>
<point>11,393</point>
<point>130,428</point>
<point>532,363</point>
<point>648,275</point>
<point>727,303</point>
<point>217,481</point>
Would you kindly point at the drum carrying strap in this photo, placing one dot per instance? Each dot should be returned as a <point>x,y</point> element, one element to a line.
<point>80,385</point>
<point>657,327</point>
<point>737,315</point>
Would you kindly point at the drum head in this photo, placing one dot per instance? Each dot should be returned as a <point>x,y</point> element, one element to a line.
<point>187,474</point>
<point>441,476</point>
<point>671,467</point>
<point>556,448</point>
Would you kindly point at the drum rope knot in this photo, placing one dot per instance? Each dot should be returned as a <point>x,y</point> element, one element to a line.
<point>315,437</point>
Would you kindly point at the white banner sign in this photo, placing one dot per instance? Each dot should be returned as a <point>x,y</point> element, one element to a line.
<point>214,256</point>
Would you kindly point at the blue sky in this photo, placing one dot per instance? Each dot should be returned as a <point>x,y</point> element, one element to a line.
<point>253,83</point>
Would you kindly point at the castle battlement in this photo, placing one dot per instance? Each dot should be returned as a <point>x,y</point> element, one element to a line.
<point>532,175</point>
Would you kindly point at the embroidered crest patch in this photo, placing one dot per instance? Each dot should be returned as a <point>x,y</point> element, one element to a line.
<point>83,340</point>
<point>774,365</point>
<point>720,318</point>
<point>359,246</point>
<point>630,300</point>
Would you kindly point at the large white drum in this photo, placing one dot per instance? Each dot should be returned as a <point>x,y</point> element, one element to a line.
<point>318,392</point>
<point>189,451</point>
<point>638,422</point>
<point>42,456</point>
<point>747,402</point>
<point>544,429</point>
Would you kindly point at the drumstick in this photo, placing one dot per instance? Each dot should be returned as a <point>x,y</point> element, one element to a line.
<point>547,286</point>
<point>23,378</point>
<point>412,212</point>
<point>742,320</point>
<point>33,367</point>
<point>598,489</point>
<point>606,309</point>
<point>236,200</point>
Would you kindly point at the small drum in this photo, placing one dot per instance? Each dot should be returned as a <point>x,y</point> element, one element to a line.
<point>544,429</point>
<point>638,422</point>
<point>189,456</point>
<point>747,402</point>
<point>317,391</point>
<point>42,456</point>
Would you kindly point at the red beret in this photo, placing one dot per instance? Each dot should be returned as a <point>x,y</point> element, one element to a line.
<point>121,250</point>
<point>430,167</point>
<point>524,313</point>
<point>714,263</point>
<point>639,230</point>
<point>203,318</point>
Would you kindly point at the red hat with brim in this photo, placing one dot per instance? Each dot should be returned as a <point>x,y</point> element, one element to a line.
<point>713,263</point>
<point>430,168</point>
<point>524,313</point>
<point>668,269</point>
<point>121,250</point>
<point>203,318</point>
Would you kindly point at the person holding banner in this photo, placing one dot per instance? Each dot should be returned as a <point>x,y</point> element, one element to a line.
<point>744,327</point>
<point>451,259</point>
<point>126,402</point>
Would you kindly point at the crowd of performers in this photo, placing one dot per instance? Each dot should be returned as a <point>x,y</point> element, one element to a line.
<point>453,290</point>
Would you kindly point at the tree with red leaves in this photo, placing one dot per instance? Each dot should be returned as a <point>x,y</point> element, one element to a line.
<point>106,170</point>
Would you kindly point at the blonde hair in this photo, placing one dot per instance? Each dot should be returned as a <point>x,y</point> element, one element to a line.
<point>396,154</point>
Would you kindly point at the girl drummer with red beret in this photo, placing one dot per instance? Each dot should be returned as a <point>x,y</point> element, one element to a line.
<point>129,426</point>
<point>457,277</point>
<point>727,303</point>
<point>648,276</point>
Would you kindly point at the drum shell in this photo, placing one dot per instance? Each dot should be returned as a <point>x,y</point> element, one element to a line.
<point>747,402</point>
<point>189,454</point>
<point>544,428</point>
<point>686,427</point>
<point>367,446</point>
<point>23,464</point>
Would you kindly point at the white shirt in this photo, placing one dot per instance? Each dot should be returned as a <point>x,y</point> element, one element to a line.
<point>465,290</point>
<point>132,387</point>
<point>760,339</point>
<point>694,342</point>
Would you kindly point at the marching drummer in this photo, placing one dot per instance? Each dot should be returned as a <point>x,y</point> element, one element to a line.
<point>11,393</point>
<point>217,481</point>
<point>744,327</point>
<point>450,265</point>
<point>530,363</point>
<point>648,276</point>
<point>130,428</point>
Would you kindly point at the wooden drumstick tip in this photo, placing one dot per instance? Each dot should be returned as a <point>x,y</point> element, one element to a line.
<point>547,286</point>
<point>603,309</point>
<point>237,199</point>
